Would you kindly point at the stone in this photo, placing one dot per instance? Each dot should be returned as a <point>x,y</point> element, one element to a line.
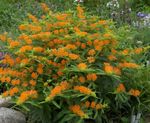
<point>8,115</point>
<point>5,102</point>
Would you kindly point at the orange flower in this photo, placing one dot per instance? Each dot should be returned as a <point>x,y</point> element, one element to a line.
<point>71,46</point>
<point>82,79</point>
<point>93,104</point>
<point>117,70</point>
<point>125,52</point>
<point>18,60</point>
<point>34,75</point>
<point>89,43</point>
<point>108,68</point>
<point>106,35</point>
<point>44,7</point>
<point>25,84</point>
<point>83,45</point>
<point>8,79</point>
<point>87,104</point>
<point>38,49</point>
<point>15,82</point>
<point>82,66</point>
<point>34,29</point>
<point>57,90</point>
<point>78,43</point>
<point>91,52</point>
<point>91,77</point>
<point>128,65</point>
<point>32,82</point>
<point>91,59</point>
<point>102,22</point>
<point>22,27</point>
<point>3,37</point>
<point>33,18</point>
<point>138,50</point>
<point>73,56</point>
<point>26,95</point>
<point>99,106</point>
<point>135,93</point>
<point>13,91</point>
<point>80,12</point>
<point>84,90</point>
<point>40,70</point>
<point>60,73</point>
<point>120,88</point>
<point>5,94</point>
<point>112,57</point>
<point>113,51</point>
<point>14,44</point>
<point>56,32</point>
<point>25,48</point>
<point>25,61</point>
<point>76,109</point>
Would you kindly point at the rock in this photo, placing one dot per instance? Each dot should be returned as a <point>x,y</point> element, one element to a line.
<point>5,102</point>
<point>11,116</point>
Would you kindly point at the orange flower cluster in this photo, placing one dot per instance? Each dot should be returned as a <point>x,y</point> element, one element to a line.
<point>3,37</point>
<point>138,50</point>
<point>40,69</point>
<point>8,71</point>
<point>91,59</point>
<point>91,52</point>
<point>71,47</point>
<point>112,57</point>
<point>25,48</point>
<point>91,77</point>
<point>15,82</point>
<point>94,105</point>
<point>11,92</point>
<point>57,90</point>
<point>134,92</point>
<point>25,38</point>
<point>14,44</point>
<point>84,90</point>
<point>110,69</point>
<point>82,79</point>
<point>120,88</point>
<point>38,49</point>
<point>30,27</point>
<point>73,56</point>
<point>128,65</point>
<point>26,95</point>
<point>5,79</point>
<point>80,12</point>
<point>8,60</point>
<point>32,82</point>
<point>33,18</point>
<point>82,66</point>
<point>60,52</point>
<point>76,109</point>
<point>34,75</point>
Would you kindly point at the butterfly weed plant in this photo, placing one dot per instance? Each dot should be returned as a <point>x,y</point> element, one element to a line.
<point>67,67</point>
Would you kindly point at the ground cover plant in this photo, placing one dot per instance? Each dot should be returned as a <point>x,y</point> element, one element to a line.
<point>71,67</point>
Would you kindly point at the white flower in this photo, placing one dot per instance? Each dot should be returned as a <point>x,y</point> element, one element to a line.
<point>112,4</point>
<point>78,1</point>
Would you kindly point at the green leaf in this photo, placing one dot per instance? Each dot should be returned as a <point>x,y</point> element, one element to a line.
<point>25,107</point>
<point>54,102</point>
